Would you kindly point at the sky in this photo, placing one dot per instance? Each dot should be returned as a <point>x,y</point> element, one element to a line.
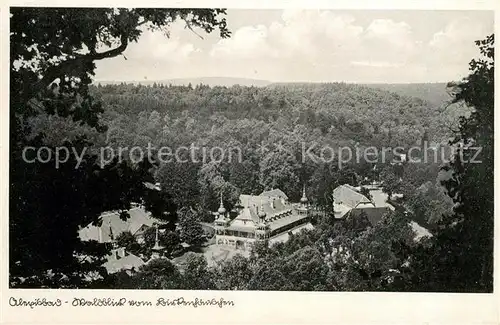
<point>362,46</point>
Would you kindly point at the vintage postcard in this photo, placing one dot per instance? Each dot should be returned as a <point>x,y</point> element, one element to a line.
<point>215,162</point>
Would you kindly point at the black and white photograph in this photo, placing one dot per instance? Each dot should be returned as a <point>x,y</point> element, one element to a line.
<point>325,150</point>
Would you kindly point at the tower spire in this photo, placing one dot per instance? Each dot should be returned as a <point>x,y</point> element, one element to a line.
<point>304,200</point>
<point>221,210</point>
<point>157,246</point>
<point>111,235</point>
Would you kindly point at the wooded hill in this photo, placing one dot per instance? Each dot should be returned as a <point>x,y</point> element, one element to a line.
<point>340,111</point>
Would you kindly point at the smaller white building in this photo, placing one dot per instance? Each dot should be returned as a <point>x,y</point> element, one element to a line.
<point>121,260</point>
<point>348,200</point>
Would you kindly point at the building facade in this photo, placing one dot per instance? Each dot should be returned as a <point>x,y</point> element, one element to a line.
<point>260,217</point>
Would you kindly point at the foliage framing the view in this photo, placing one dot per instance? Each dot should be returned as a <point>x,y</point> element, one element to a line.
<point>53,54</point>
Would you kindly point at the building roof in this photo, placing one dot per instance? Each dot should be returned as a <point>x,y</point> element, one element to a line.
<point>276,224</point>
<point>373,214</point>
<point>252,204</point>
<point>152,186</point>
<point>349,196</point>
<point>340,210</point>
<point>120,260</point>
<point>251,200</point>
<point>277,193</point>
<point>247,214</point>
<point>112,225</point>
<point>379,198</point>
<point>283,237</point>
<point>274,203</point>
<point>242,228</point>
<point>420,232</point>
<point>243,223</point>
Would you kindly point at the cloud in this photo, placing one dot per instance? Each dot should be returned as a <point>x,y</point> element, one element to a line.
<point>316,36</point>
<point>246,42</point>
<point>398,33</point>
<point>315,33</point>
<point>450,49</point>
<point>461,31</point>
<point>159,46</point>
<point>304,33</point>
<point>317,45</point>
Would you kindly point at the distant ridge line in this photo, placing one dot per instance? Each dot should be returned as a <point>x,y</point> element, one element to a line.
<point>433,92</point>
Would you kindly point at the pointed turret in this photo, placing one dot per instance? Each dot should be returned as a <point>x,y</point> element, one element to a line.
<point>303,199</point>
<point>262,227</point>
<point>303,208</point>
<point>114,244</point>
<point>222,210</point>
<point>111,236</point>
<point>221,219</point>
<point>157,248</point>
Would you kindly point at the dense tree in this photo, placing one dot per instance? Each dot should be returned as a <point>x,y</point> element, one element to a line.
<point>273,147</point>
<point>467,234</point>
<point>168,239</point>
<point>306,270</point>
<point>371,258</point>
<point>161,206</point>
<point>459,258</point>
<point>127,240</point>
<point>322,183</point>
<point>366,193</point>
<point>53,54</point>
<point>158,274</point>
<point>269,278</point>
<point>429,204</point>
<point>391,182</point>
<point>196,275</point>
<point>180,181</point>
<point>234,274</point>
<point>191,231</point>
